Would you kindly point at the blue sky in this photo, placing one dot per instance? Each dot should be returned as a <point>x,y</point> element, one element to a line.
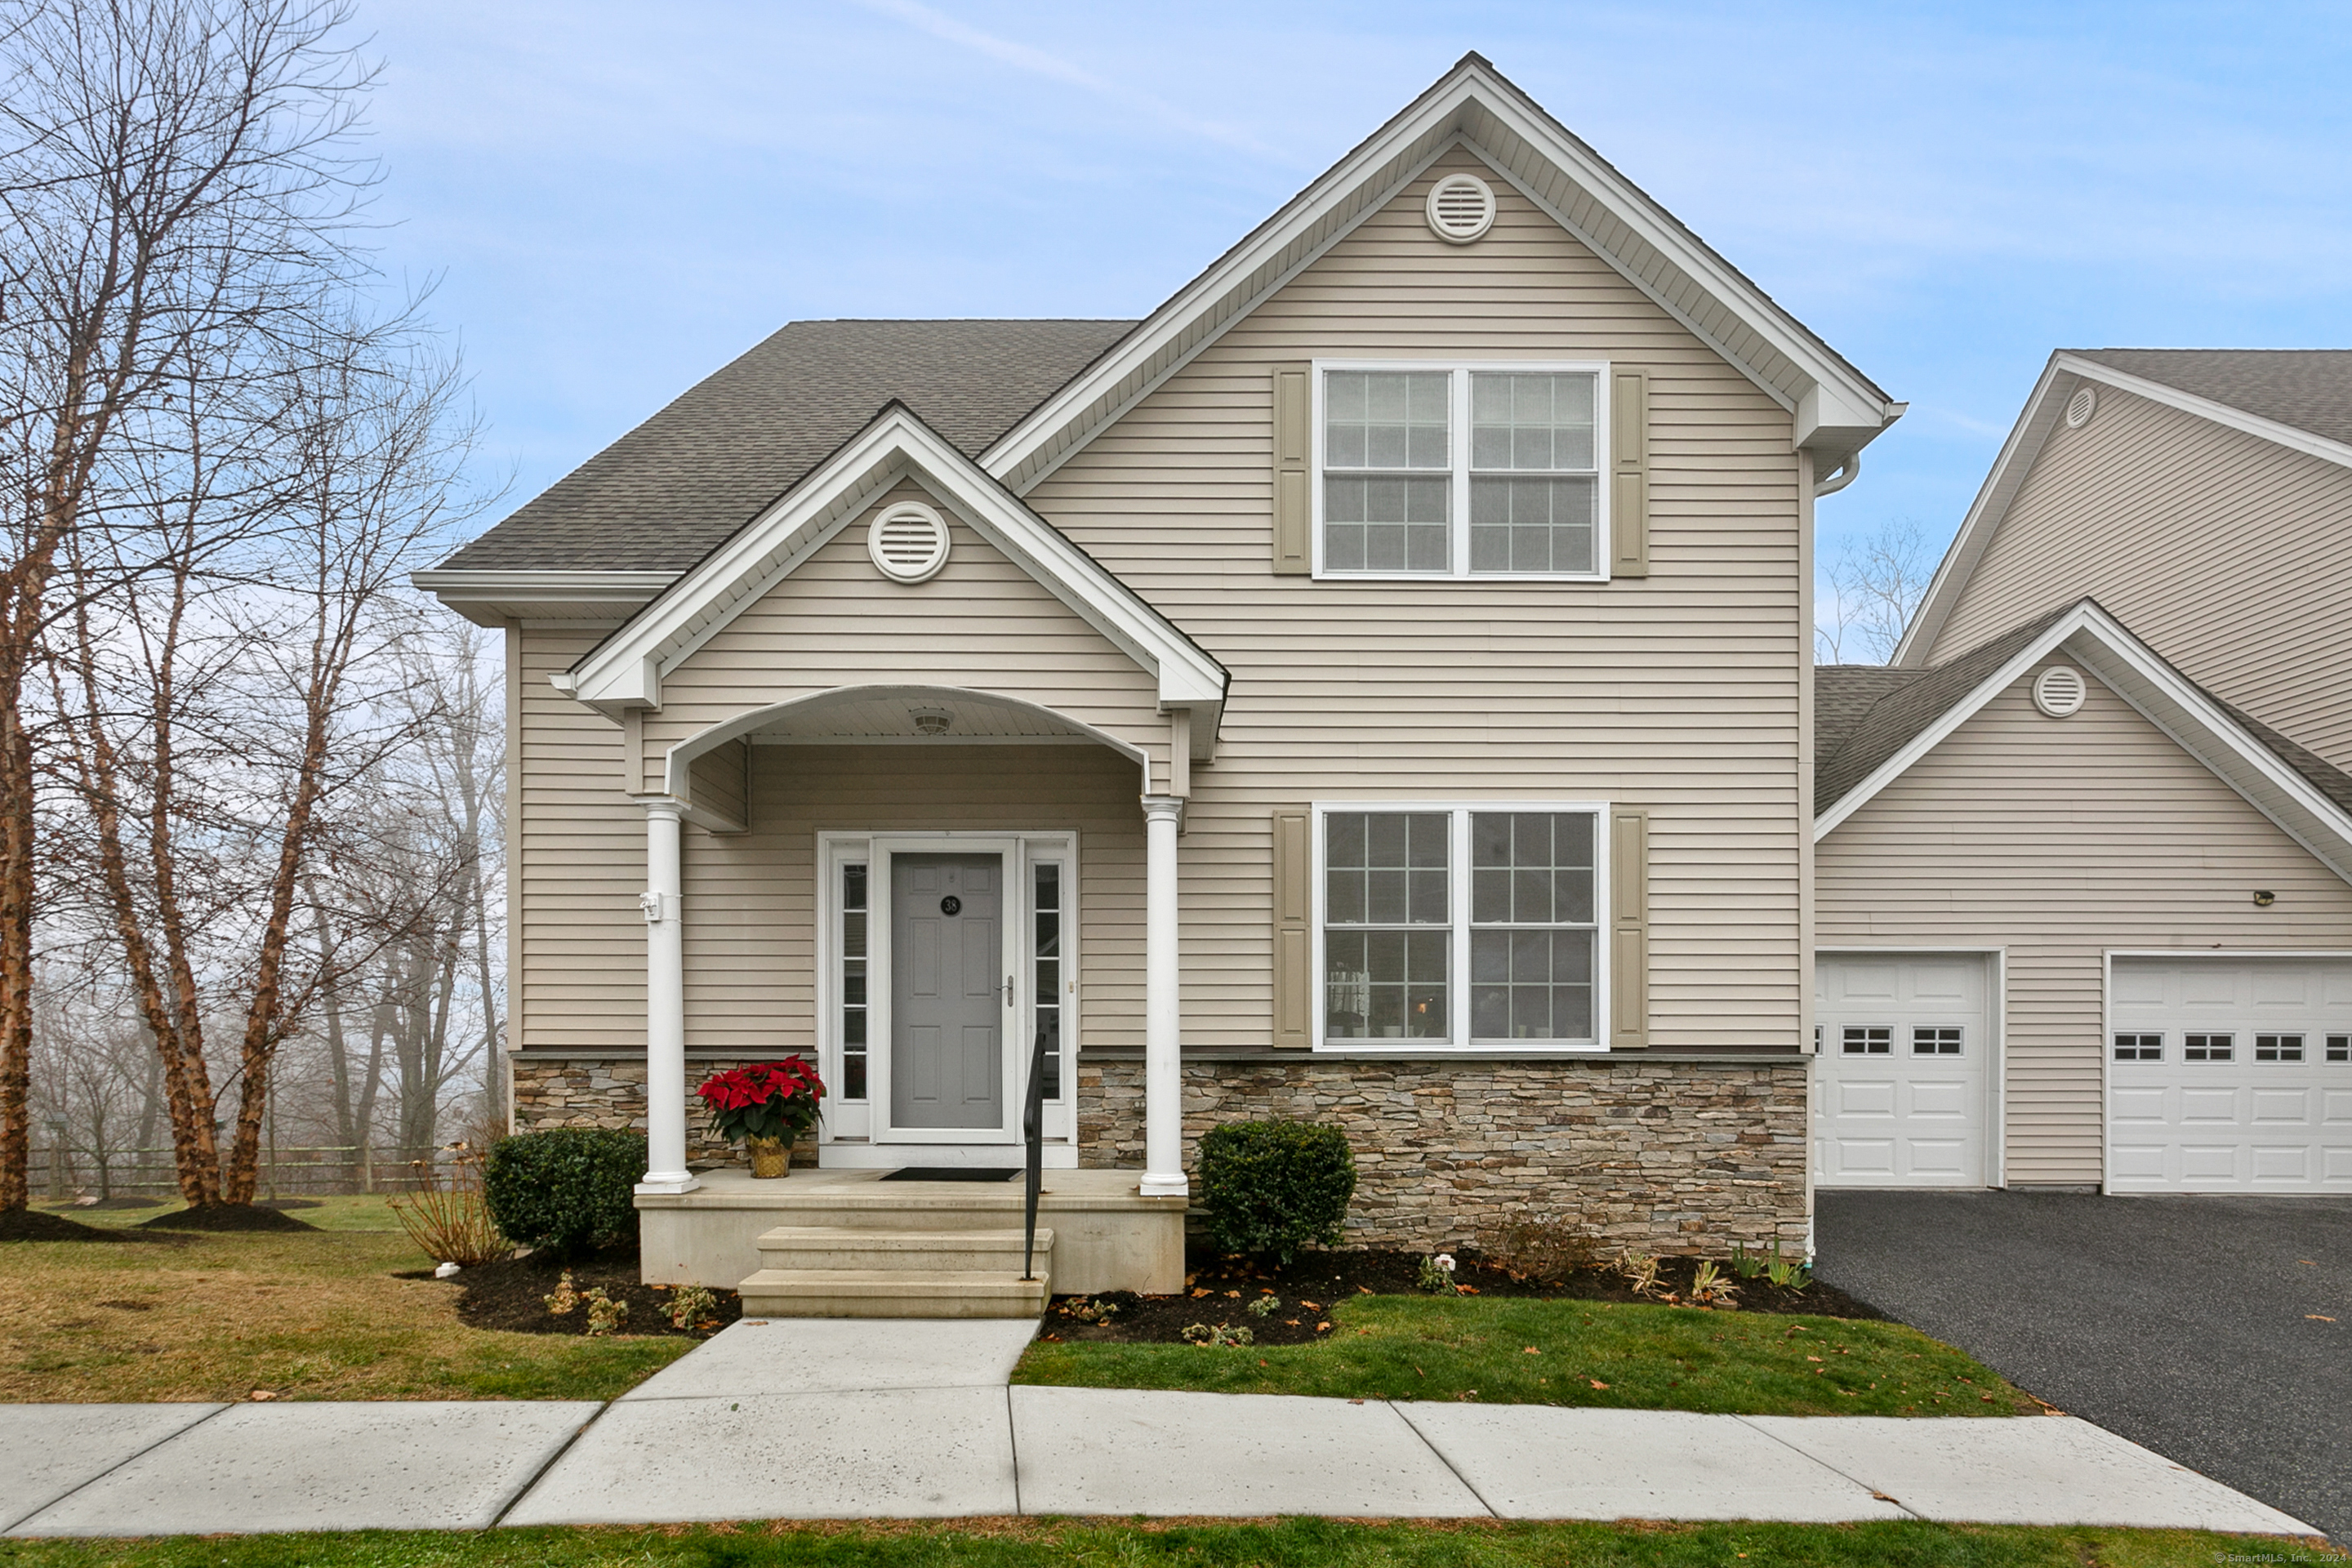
<point>616,199</point>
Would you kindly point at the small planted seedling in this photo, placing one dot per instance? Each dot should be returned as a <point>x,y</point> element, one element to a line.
<point>1219,1337</point>
<point>604,1315</point>
<point>693,1307</point>
<point>565,1297</point>
<point>1265,1306</point>
<point>1436,1275</point>
<point>1710,1289</point>
<point>1641,1271</point>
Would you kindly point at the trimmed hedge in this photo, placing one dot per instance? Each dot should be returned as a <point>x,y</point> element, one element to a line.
<point>567,1188</point>
<point>1276,1186</point>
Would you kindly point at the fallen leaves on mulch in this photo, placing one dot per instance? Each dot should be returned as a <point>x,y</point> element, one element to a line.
<point>512,1296</point>
<point>1220,1288</point>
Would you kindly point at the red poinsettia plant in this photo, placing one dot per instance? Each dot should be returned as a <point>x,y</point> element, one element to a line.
<point>765,1099</point>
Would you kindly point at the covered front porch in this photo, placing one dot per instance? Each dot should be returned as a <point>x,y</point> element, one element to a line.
<point>934,893</point>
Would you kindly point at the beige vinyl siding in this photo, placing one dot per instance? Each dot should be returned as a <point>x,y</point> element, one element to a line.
<point>580,867</point>
<point>983,623</point>
<point>2230,555</point>
<point>751,899</point>
<point>1678,694</point>
<point>2059,840</point>
<point>718,782</point>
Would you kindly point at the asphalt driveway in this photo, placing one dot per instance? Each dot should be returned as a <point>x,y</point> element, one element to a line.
<point>2196,1326</point>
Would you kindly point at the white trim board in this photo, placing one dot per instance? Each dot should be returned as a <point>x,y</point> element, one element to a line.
<point>2043,409</point>
<point>626,671</point>
<point>2161,695</point>
<point>1837,410</point>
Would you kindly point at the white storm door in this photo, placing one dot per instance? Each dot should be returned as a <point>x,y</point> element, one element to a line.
<point>1902,1080</point>
<point>2230,1075</point>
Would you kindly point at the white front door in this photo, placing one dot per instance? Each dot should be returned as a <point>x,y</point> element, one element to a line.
<point>1900,1082</point>
<point>2230,1075</point>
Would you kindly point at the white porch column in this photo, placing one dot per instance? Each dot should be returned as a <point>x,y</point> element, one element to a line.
<point>1164,1080</point>
<point>664,1006</point>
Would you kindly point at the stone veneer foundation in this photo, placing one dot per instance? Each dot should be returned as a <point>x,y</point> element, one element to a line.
<point>1674,1156</point>
<point>1668,1155</point>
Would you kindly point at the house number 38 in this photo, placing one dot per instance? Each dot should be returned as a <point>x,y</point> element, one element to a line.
<point>950,905</point>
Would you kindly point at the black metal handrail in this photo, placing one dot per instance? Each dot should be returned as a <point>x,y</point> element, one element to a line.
<point>1032,1130</point>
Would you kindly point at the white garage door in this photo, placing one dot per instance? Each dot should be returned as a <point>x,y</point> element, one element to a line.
<point>2230,1075</point>
<point>1904,1071</point>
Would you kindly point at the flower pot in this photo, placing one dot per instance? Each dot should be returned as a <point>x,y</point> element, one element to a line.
<point>771,1156</point>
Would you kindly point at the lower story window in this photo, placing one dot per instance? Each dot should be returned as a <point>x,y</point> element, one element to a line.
<point>853,961</point>
<point>1045,955</point>
<point>1935,1040</point>
<point>2139,1047</point>
<point>2278,1048</point>
<point>1447,925</point>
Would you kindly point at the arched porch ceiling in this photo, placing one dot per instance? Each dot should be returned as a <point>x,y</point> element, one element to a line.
<point>884,715</point>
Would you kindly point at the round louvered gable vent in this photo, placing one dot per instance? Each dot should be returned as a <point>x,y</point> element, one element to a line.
<point>908,543</point>
<point>2081,406</point>
<point>2059,690</point>
<point>1461,208</point>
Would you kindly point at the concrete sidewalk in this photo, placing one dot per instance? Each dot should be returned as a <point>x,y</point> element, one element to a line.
<point>829,1418</point>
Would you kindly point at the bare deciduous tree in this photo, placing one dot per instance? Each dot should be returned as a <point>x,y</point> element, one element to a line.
<point>1870,586</point>
<point>176,201</point>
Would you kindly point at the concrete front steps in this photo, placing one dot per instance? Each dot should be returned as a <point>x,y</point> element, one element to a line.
<point>838,1271</point>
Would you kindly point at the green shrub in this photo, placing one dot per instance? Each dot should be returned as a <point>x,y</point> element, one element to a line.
<point>1276,1186</point>
<point>565,1189</point>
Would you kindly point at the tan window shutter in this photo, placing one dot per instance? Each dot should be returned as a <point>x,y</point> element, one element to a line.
<point>1629,473</point>
<point>1293,415</point>
<point>1294,946</point>
<point>1629,929</point>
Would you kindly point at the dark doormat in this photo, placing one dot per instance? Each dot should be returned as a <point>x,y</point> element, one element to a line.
<point>951,1174</point>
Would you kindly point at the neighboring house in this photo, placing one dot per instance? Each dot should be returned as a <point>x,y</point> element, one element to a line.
<point>1375,686</point>
<point>2083,851</point>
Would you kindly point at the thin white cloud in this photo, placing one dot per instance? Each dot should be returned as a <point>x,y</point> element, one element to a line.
<point>1038,62</point>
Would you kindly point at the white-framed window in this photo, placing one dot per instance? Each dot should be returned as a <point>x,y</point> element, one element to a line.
<point>1461,470</point>
<point>2139,1046</point>
<point>1460,923</point>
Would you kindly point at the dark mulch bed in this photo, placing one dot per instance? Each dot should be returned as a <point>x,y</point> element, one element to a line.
<point>32,1225</point>
<point>1220,1288</point>
<point>225,1218</point>
<point>513,1295</point>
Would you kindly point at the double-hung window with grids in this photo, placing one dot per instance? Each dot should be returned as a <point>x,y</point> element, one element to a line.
<point>1444,925</point>
<point>1460,470</point>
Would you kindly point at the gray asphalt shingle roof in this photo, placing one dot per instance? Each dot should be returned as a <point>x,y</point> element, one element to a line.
<point>2310,389</point>
<point>669,492</point>
<point>1865,713</point>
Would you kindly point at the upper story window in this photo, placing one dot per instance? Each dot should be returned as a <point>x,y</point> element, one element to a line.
<point>1460,470</point>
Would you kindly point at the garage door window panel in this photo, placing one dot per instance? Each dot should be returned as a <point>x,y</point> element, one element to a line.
<point>2209,1047</point>
<point>2278,1048</point>
<point>2139,1047</point>
<point>1943,1040</point>
<point>1860,1039</point>
<point>2339,1048</point>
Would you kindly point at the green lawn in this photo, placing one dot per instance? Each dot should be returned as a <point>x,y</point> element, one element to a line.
<point>370,1211</point>
<point>1506,1351</point>
<point>1287,1543</point>
<point>212,1315</point>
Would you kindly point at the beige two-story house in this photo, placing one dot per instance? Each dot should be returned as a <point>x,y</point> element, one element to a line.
<point>2082,852</point>
<point>1374,686</point>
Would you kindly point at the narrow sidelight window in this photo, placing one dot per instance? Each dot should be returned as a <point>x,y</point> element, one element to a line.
<point>1531,925</point>
<point>1941,1040</point>
<point>852,982</point>
<point>2278,1048</point>
<point>2139,1047</point>
<point>1534,479</point>
<point>1046,957</point>
<point>2208,1047</point>
<point>1867,1040</point>
<point>1387,925</point>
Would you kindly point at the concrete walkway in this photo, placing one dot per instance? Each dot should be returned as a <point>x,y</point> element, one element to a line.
<point>827,1419</point>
